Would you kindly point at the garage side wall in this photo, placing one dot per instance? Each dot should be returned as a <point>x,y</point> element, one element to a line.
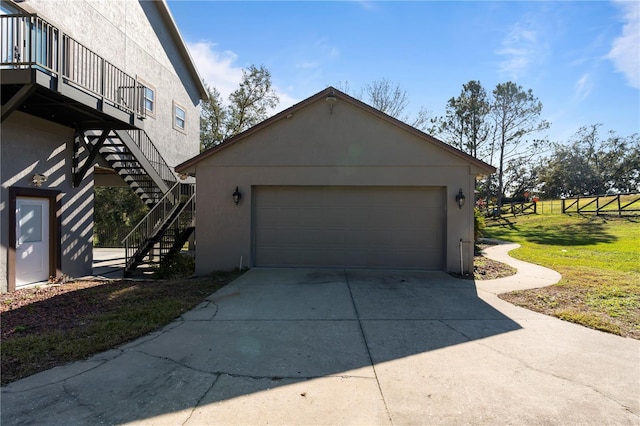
<point>313,148</point>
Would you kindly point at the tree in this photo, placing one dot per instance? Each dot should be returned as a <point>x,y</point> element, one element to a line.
<point>382,95</point>
<point>522,176</point>
<point>213,119</point>
<point>116,210</point>
<point>516,114</point>
<point>466,124</point>
<point>248,105</point>
<point>589,165</point>
<point>391,99</point>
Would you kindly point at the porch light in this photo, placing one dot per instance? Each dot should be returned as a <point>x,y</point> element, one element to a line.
<point>331,101</point>
<point>237,196</point>
<point>38,179</point>
<point>460,199</point>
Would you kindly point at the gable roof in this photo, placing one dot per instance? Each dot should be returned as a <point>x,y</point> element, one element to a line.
<point>163,9</point>
<point>341,97</point>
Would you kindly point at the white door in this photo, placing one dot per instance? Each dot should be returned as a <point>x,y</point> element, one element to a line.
<point>32,240</point>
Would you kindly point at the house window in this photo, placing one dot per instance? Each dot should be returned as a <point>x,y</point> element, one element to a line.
<point>149,100</point>
<point>179,117</point>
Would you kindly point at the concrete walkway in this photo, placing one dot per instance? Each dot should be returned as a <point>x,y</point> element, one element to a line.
<point>297,346</point>
<point>108,262</point>
<point>528,276</point>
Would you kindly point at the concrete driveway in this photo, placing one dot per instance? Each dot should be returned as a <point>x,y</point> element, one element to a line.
<point>296,346</point>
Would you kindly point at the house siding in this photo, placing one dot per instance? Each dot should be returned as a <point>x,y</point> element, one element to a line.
<point>133,37</point>
<point>32,145</point>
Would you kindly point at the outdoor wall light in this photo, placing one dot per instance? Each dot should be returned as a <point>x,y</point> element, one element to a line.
<point>38,179</point>
<point>460,199</point>
<point>331,101</point>
<point>237,196</point>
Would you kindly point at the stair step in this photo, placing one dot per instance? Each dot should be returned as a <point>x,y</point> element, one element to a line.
<point>118,156</point>
<point>130,164</point>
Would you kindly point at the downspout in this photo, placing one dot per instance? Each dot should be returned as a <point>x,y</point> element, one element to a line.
<point>462,255</point>
<point>461,261</point>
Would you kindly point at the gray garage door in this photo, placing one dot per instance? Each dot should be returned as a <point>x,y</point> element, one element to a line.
<point>356,227</point>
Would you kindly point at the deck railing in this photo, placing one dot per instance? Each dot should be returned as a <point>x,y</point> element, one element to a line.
<point>27,41</point>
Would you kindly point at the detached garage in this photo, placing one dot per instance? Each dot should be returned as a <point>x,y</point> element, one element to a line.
<point>334,183</point>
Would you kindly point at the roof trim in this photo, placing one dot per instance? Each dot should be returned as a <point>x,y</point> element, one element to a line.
<point>164,11</point>
<point>183,167</point>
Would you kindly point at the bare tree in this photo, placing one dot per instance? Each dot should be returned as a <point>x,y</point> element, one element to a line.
<point>391,99</point>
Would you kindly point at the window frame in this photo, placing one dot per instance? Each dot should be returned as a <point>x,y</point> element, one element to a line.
<point>176,107</point>
<point>154,101</point>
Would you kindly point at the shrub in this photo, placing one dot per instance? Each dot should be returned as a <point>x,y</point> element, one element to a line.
<point>179,266</point>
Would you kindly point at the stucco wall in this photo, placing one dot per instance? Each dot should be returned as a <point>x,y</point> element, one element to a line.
<point>313,147</point>
<point>31,145</point>
<point>132,35</point>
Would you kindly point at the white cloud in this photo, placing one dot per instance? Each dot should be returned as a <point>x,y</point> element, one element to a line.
<point>625,52</point>
<point>321,51</point>
<point>367,5</point>
<point>583,86</point>
<point>308,65</point>
<point>520,48</point>
<point>327,49</point>
<point>218,69</point>
<point>285,101</point>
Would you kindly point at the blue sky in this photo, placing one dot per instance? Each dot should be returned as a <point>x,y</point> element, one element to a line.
<point>581,59</point>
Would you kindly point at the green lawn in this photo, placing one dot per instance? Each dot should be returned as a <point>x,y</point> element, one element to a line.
<point>598,258</point>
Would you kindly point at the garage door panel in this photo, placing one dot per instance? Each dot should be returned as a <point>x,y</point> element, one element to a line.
<point>300,238</point>
<point>335,258</point>
<point>368,227</point>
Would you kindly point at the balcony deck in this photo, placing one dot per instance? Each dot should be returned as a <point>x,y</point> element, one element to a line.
<point>46,73</point>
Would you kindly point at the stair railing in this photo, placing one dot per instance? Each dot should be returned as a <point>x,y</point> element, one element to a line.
<point>183,220</point>
<point>148,228</point>
<point>144,142</point>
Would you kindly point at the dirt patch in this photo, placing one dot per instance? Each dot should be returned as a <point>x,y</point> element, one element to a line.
<point>30,313</point>
<point>487,269</point>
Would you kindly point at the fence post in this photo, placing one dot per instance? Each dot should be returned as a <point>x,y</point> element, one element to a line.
<point>563,205</point>
<point>619,209</point>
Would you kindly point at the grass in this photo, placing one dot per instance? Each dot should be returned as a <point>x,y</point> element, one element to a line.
<point>598,258</point>
<point>81,321</point>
